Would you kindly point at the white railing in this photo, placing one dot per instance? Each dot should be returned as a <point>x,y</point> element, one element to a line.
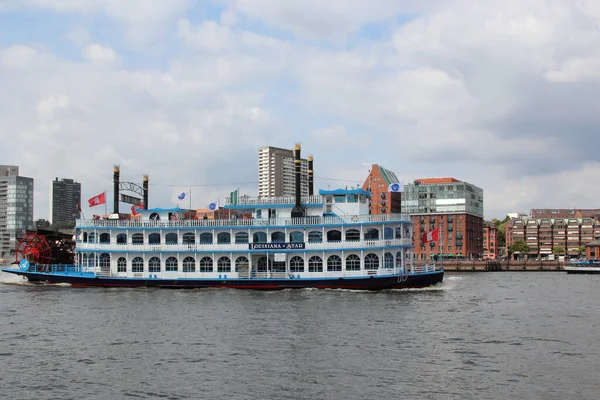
<point>291,200</point>
<point>225,247</point>
<point>251,222</point>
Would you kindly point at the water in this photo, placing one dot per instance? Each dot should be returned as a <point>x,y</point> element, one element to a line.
<point>477,336</point>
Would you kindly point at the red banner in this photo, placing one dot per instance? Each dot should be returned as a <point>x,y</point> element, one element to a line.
<point>97,200</point>
<point>431,236</point>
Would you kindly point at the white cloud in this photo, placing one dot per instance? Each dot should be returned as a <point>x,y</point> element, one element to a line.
<point>100,55</point>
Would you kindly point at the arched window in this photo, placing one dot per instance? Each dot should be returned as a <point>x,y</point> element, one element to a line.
<point>154,238</point>
<point>206,264</point>
<point>85,237</point>
<point>104,260</point>
<point>241,264</point>
<point>297,264</point>
<point>388,260</point>
<point>189,264</point>
<point>352,235</point>
<point>206,238</point>
<point>171,238</point>
<point>278,237</point>
<point>263,264</point>
<point>371,261</point>
<point>259,237</point>
<point>189,238</point>
<point>334,263</point>
<point>137,238</point>
<point>315,237</point>
<point>154,264</point>
<point>388,233</point>
<point>224,264</point>
<point>121,238</point>
<point>315,264</point>
<point>371,234</point>
<point>171,264</point>
<point>334,236</point>
<point>104,238</point>
<point>241,237</point>
<point>296,237</point>
<point>223,237</point>
<point>121,264</point>
<point>353,263</point>
<point>91,260</point>
<point>137,264</point>
<point>92,238</point>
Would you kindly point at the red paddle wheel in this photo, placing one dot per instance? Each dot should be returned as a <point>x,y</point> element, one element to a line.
<point>34,248</point>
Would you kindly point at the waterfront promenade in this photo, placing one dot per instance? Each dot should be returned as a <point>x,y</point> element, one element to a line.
<point>492,266</point>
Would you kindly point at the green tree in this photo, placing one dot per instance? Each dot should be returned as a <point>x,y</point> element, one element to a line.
<point>519,246</point>
<point>501,226</point>
<point>558,250</point>
<point>62,225</point>
<point>581,250</point>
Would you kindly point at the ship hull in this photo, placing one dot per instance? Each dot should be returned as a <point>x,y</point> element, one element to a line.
<point>355,283</point>
<point>582,270</point>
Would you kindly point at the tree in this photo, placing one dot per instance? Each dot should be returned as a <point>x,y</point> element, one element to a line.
<point>501,234</point>
<point>581,250</point>
<point>519,246</point>
<point>558,250</point>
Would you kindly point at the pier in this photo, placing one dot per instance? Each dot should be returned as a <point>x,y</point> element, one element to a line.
<point>493,266</point>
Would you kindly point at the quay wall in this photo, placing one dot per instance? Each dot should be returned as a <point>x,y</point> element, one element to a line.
<point>483,266</point>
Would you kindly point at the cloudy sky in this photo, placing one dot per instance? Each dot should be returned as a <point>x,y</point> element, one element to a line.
<point>501,94</point>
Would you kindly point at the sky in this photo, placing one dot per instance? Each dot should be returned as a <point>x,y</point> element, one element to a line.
<point>500,94</point>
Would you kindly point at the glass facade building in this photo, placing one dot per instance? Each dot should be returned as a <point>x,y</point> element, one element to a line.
<point>16,211</point>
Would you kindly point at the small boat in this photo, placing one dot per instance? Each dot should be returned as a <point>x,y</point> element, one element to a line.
<point>583,267</point>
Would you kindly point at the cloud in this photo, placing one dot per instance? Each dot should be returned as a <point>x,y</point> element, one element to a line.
<point>100,55</point>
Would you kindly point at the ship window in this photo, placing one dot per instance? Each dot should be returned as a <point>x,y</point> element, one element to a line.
<point>224,264</point>
<point>315,264</point>
<point>91,260</point>
<point>352,198</point>
<point>334,263</point>
<point>259,237</point>
<point>137,238</point>
<point>339,198</point>
<point>206,238</point>
<point>121,264</point>
<point>388,233</point>
<point>154,238</point>
<point>171,264</point>
<point>388,260</point>
<point>154,264</point>
<point>242,263</point>
<point>278,237</point>
<point>137,264</point>
<point>371,261</point>
<point>241,237</point>
<point>371,234</point>
<point>398,259</point>
<point>189,264</point>
<point>297,264</point>
<point>352,235</point>
<point>171,238</point>
<point>315,237</point>
<point>92,238</point>
<point>224,237</point>
<point>104,238</point>
<point>85,237</point>
<point>263,263</point>
<point>399,232</point>
<point>334,236</point>
<point>189,238</point>
<point>121,238</point>
<point>206,264</point>
<point>104,260</point>
<point>296,237</point>
<point>353,263</point>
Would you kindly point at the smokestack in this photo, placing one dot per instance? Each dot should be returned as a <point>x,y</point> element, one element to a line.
<point>116,177</point>
<point>297,211</point>
<point>145,187</point>
<point>310,176</point>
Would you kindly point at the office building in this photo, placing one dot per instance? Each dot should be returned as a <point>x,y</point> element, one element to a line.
<point>276,173</point>
<point>382,200</point>
<point>16,209</point>
<point>64,197</point>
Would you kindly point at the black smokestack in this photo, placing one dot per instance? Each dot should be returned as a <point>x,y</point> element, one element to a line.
<point>297,211</point>
<point>145,187</point>
<point>310,176</point>
<point>116,183</point>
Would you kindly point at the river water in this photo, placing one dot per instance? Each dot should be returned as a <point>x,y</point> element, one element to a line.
<point>504,335</point>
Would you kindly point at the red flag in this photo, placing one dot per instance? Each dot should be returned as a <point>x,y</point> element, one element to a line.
<point>133,210</point>
<point>79,206</point>
<point>97,200</point>
<point>431,236</point>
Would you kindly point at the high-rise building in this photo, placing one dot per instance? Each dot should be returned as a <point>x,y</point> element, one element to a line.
<point>454,208</point>
<point>276,173</point>
<point>64,197</point>
<point>16,208</point>
<point>382,200</point>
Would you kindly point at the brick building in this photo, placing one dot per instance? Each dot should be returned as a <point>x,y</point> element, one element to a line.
<point>378,182</point>
<point>490,241</point>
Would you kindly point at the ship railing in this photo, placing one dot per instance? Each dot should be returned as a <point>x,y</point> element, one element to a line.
<point>245,222</point>
<point>257,201</point>
<point>63,269</point>
<point>200,247</point>
<point>420,269</point>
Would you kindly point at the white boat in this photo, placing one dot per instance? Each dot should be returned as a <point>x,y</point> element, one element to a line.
<point>583,267</point>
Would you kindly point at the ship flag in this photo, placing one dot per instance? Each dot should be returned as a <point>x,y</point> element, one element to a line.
<point>395,187</point>
<point>214,206</point>
<point>431,236</point>
<point>97,200</point>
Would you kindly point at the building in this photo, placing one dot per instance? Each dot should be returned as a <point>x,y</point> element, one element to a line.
<point>554,231</point>
<point>490,241</point>
<point>453,207</point>
<point>276,173</point>
<point>382,200</point>
<point>16,208</point>
<point>65,195</point>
